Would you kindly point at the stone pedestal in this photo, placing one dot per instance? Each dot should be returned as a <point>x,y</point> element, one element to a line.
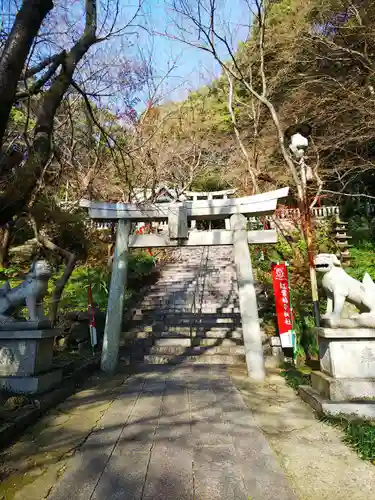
<point>347,352</point>
<point>26,360</point>
<point>276,349</point>
<point>345,383</point>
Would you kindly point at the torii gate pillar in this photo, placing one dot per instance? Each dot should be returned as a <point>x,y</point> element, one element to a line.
<point>115,308</point>
<point>248,302</point>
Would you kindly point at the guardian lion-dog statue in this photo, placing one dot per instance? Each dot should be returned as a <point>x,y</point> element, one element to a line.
<point>341,287</point>
<point>30,292</point>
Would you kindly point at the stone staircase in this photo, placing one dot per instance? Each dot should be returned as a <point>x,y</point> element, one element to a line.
<point>191,315</point>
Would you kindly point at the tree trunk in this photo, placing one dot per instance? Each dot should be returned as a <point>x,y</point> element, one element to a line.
<point>59,287</point>
<point>4,245</point>
<point>70,262</point>
<point>17,47</point>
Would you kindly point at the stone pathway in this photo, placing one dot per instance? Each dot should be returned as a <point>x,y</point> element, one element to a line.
<point>183,432</point>
<point>174,433</point>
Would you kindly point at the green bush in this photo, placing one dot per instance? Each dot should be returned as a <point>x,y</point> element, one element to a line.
<point>295,377</point>
<point>75,292</point>
<point>360,436</point>
<point>140,265</point>
<point>362,260</point>
<point>361,229</point>
<point>293,250</point>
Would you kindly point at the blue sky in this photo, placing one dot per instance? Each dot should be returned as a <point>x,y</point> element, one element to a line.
<point>194,67</point>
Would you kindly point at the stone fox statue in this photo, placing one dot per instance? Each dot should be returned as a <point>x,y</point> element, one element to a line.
<point>341,287</point>
<point>30,293</point>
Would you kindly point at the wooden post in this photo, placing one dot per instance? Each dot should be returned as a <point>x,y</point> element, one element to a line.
<point>248,301</point>
<point>113,322</point>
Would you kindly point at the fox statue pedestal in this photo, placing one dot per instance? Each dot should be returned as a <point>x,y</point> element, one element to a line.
<point>345,384</point>
<point>26,347</point>
<point>26,350</point>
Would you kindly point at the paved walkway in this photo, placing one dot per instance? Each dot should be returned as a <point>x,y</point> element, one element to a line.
<point>175,433</point>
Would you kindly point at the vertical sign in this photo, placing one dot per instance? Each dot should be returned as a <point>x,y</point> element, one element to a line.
<point>283,304</point>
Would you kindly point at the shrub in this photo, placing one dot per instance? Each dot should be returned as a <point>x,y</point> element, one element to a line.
<point>75,293</point>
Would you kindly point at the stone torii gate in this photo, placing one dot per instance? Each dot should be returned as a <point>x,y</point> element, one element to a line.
<point>178,214</point>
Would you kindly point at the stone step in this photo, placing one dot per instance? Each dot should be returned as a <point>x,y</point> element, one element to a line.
<point>196,265</point>
<point>168,277</point>
<point>196,316</point>
<point>198,273</point>
<point>196,341</point>
<point>183,285</point>
<point>194,269</point>
<point>177,282</point>
<point>212,289</point>
<point>195,313</point>
<point>183,282</point>
<point>182,298</point>
<point>202,322</point>
<point>217,297</point>
<point>151,306</point>
<point>192,333</point>
<point>171,274</point>
<point>202,275</point>
<point>167,299</point>
<point>188,317</point>
<point>205,289</point>
<point>223,306</point>
<point>171,289</point>
<point>163,359</point>
<point>203,296</point>
<point>185,326</point>
<point>198,350</point>
<point>170,315</point>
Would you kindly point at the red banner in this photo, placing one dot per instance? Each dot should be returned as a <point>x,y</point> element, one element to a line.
<point>142,230</point>
<point>282,302</point>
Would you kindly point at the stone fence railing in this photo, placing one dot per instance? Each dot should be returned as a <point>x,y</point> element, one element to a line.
<point>316,213</point>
